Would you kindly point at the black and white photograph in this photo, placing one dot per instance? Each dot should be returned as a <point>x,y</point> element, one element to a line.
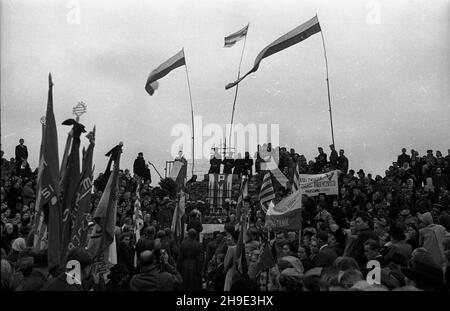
<point>225,150</point>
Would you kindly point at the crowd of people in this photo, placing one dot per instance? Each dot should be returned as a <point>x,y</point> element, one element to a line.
<point>401,220</point>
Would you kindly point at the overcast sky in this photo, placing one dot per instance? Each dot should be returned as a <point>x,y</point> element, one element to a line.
<point>388,63</point>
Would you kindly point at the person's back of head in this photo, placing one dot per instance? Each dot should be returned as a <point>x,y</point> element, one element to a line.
<point>322,237</point>
<point>312,283</point>
<point>345,263</point>
<point>161,234</point>
<point>329,278</point>
<point>149,232</point>
<point>192,234</point>
<point>349,277</point>
<point>147,258</point>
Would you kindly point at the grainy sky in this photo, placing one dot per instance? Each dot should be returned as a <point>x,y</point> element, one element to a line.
<point>388,63</point>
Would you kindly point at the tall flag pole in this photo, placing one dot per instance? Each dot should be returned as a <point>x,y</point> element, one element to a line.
<point>192,116</point>
<point>328,87</point>
<point>229,42</point>
<point>162,70</point>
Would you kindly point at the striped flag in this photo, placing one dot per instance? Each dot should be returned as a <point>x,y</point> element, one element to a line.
<point>235,37</point>
<point>138,220</point>
<point>266,194</point>
<point>175,61</point>
<point>295,36</point>
<point>280,177</point>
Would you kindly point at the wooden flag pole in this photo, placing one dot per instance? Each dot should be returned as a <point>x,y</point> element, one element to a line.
<point>328,87</point>
<point>237,87</point>
<point>192,115</point>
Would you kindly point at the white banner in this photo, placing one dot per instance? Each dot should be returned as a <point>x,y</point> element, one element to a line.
<point>326,183</point>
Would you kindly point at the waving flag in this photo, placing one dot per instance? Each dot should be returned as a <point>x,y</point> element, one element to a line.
<point>266,194</point>
<point>175,61</point>
<point>287,214</point>
<point>295,36</point>
<point>235,37</point>
<point>103,238</point>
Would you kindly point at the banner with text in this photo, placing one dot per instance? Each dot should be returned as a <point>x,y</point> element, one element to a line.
<point>326,183</point>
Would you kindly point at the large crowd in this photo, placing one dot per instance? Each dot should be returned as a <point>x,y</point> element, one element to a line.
<point>401,220</point>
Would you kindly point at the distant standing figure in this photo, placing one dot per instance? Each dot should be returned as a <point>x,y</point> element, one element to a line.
<point>343,162</point>
<point>21,155</point>
<point>139,165</point>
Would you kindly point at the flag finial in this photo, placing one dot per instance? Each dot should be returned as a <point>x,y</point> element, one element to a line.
<point>50,82</point>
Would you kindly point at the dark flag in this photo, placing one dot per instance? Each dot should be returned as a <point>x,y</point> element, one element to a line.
<point>105,214</point>
<point>295,36</point>
<point>49,197</point>
<point>69,185</point>
<point>81,201</point>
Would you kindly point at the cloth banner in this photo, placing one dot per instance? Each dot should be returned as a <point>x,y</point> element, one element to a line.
<point>326,183</point>
<point>287,214</point>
